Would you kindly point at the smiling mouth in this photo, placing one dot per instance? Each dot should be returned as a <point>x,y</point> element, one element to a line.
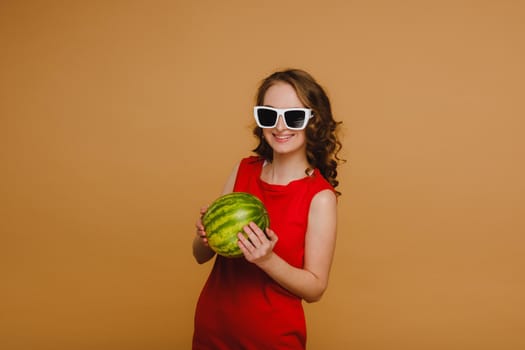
<point>282,138</point>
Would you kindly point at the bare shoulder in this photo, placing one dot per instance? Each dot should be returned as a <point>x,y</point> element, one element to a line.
<point>323,207</point>
<point>230,182</point>
<point>324,198</point>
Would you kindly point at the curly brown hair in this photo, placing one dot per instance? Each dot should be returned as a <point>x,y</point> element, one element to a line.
<point>322,143</point>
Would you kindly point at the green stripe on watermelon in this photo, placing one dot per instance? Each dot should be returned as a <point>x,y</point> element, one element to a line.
<point>227,216</point>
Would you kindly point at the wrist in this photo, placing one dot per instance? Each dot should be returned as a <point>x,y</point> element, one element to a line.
<point>266,261</point>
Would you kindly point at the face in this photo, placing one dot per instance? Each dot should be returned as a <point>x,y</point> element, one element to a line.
<point>281,139</point>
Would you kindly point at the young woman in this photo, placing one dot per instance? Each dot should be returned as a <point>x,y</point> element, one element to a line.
<point>255,302</point>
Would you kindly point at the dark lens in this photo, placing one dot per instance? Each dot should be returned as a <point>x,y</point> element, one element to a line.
<point>267,117</point>
<point>294,119</point>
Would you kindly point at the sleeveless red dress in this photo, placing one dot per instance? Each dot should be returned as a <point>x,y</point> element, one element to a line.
<point>240,306</point>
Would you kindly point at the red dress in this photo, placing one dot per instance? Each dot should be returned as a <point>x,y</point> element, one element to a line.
<point>240,306</point>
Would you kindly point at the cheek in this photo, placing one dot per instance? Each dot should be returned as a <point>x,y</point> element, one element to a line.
<point>302,137</point>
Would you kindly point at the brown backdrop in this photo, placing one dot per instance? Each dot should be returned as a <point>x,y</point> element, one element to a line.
<point>119,119</point>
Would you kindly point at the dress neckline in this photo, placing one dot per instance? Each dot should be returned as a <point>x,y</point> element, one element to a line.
<point>279,187</point>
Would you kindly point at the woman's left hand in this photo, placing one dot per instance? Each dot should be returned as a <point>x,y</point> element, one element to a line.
<point>258,246</point>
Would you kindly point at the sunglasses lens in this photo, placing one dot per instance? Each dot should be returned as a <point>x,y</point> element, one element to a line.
<point>267,117</point>
<point>295,119</point>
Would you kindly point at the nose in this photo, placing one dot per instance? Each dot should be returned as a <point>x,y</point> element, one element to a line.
<point>280,122</point>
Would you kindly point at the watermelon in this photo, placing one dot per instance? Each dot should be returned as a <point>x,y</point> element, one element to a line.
<point>227,216</point>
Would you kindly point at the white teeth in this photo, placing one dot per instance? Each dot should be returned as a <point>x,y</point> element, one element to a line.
<point>282,137</point>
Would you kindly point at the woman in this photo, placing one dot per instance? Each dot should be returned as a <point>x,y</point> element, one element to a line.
<point>255,302</point>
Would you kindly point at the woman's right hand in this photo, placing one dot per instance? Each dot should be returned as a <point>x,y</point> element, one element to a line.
<point>200,227</point>
<point>201,250</point>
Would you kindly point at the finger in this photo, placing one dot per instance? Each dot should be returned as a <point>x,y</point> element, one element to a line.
<point>252,235</point>
<point>243,249</point>
<point>198,224</point>
<point>245,242</point>
<point>199,230</point>
<point>258,232</point>
<point>271,235</point>
<point>203,210</point>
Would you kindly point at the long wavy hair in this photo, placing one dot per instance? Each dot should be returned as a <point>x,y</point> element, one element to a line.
<point>322,143</point>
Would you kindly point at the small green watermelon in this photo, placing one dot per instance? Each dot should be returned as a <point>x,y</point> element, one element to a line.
<point>227,216</point>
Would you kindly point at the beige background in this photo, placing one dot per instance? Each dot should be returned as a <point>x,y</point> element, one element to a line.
<point>119,119</point>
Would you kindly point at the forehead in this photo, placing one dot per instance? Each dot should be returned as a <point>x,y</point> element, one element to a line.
<point>281,95</point>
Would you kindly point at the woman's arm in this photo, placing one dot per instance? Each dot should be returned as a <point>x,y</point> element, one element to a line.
<point>201,250</point>
<point>311,281</point>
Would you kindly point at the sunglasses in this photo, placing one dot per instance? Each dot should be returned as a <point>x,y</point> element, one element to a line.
<point>294,118</point>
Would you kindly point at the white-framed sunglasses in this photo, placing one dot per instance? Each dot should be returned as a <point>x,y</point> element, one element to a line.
<point>294,118</point>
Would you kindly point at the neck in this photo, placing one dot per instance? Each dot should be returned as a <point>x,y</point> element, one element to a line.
<point>283,170</point>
